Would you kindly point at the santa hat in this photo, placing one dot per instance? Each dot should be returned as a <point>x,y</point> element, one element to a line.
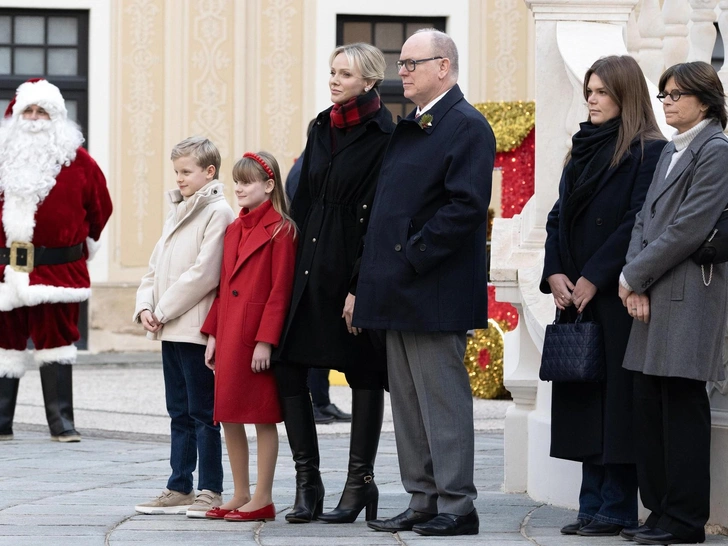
<point>41,92</point>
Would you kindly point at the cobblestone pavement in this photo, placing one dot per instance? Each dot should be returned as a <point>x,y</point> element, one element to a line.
<point>84,494</point>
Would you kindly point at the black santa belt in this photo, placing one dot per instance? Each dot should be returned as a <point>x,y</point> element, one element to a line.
<point>24,257</point>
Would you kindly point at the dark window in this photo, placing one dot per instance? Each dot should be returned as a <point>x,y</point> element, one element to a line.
<point>51,44</point>
<point>388,34</point>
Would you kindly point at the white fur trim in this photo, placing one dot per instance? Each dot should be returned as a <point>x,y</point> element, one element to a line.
<point>16,291</point>
<point>93,247</point>
<point>61,355</point>
<point>13,363</point>
<point>43,93</point>
<point>19,218</point>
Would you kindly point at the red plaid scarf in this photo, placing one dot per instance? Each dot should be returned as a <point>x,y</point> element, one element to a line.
<point>356,110</point>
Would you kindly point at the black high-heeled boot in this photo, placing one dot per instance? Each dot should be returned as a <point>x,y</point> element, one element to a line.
<point>8,398</point>
<point>302,437</point>
<point>57,383</point>
<point>367,411</point>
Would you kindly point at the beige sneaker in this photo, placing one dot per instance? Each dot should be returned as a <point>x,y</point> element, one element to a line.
<point>206,500</point>
<point>169,502</point>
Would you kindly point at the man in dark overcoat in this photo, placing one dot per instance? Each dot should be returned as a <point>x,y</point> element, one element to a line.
<point>423,280</point>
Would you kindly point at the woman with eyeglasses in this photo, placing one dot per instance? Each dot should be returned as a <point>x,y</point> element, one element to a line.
<point>676,342</point>
<point>603,185</point>
<point>331,207</point>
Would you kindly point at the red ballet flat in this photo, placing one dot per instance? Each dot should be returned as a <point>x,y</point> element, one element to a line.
<point>217,513</point>
<point>267,513</point>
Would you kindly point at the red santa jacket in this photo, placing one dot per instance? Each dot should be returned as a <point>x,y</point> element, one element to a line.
<point>75,211</point>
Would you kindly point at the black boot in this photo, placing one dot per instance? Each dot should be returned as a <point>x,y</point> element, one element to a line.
<point>301,430</point>
<point>367,410</point>
<point>57,382</point>
<point>8,398</point>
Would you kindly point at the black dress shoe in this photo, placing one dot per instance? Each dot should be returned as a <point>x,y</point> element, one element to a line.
<point>572,528</point>
<point>448,525</point>
<point>321,418</point>
<point>335,412</point>
<point>630,532</point>
<point>658,536</point>
<point>402,522</point>
<point>599,529</point>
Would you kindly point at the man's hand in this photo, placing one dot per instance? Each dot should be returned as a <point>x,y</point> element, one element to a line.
<point>261,357</point>
<point>210,352</point>
<point>149,321</point>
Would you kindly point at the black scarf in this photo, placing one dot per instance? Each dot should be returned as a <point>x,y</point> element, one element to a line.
<point>591,154</point>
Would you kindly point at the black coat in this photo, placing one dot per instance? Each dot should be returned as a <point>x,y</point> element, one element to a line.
<point>331,208</point>
<point>593,421</point>
<point>424,264</point>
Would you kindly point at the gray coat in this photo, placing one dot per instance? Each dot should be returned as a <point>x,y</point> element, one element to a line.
<point>684,337</point>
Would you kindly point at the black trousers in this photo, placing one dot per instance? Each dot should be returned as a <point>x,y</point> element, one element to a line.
<point>672,441</point>
<point>293,379</point>
<point>318,383</point>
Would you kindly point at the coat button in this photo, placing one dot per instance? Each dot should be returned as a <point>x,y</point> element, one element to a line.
<point>599,221</point>
<point>305,272</point>
<point>314,239</point>
<point>652,214</point>
<point>423,247</point>
<point>361,220</point>
<point>364,207</point>
<point>397,247</point>
<point>235,293</point>
<point>644,243</point>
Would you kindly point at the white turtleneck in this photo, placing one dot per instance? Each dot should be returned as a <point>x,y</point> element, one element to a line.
<point>683,140</point>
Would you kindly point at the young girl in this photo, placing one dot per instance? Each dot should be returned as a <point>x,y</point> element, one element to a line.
<point>244,323</point>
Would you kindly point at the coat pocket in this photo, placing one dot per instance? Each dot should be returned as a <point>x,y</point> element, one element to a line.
<point>251,322</point>
<point>677,287</point>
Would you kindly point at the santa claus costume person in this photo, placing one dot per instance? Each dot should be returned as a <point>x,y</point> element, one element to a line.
<point>53,206</point>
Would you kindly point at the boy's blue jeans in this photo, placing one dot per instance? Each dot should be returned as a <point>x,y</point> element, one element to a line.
<point>609,494</point>
<point>190,389</point>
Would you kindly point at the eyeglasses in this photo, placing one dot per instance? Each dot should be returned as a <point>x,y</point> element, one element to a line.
<point>411,64</point>
<point>674,95</point>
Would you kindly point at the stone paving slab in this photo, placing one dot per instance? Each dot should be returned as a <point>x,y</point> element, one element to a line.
<point>84,494</point>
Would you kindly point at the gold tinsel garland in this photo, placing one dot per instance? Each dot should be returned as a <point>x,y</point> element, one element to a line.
<point>511,121</point>
<point>484,360</point>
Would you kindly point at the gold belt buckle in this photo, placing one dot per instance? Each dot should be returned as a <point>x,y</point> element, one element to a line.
<point>21,257</point>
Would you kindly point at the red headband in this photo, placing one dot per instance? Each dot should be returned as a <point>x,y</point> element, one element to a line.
<point>257,158</point>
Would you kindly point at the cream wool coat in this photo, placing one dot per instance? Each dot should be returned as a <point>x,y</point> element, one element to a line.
<point>184,269</point>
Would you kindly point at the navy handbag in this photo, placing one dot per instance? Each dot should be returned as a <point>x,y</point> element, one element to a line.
<point>572,351</point>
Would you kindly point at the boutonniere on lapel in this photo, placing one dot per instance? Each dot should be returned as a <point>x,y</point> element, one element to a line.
<point>425,121</point>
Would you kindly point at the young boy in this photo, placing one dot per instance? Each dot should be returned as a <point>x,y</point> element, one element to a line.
<point>172,303</point>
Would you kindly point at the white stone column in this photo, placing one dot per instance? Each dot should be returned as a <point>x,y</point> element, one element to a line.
<point>652,29</point>
<point>723,26</point>
<point>676,14</point>
<point>702,32</point>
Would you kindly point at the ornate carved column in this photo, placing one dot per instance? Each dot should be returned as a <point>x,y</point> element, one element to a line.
<point>676,14</point>
<point>723,26</point>
<point>702,33</point>
<point>652,29</point>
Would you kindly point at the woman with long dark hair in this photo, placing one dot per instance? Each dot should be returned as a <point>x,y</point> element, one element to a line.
<point>603,186</point>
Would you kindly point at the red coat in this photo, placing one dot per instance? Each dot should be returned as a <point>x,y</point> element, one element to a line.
<point>75,211</point>
<point>252,302</point>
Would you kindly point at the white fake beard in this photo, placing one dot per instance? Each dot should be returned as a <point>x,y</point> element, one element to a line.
<point>32,153</point>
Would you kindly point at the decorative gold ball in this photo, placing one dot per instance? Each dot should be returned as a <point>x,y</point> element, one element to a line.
<point>484,361</point>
